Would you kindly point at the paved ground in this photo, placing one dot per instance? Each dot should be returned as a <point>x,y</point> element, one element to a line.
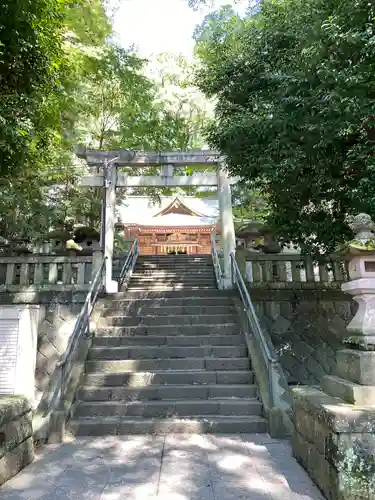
<point>175,467</point>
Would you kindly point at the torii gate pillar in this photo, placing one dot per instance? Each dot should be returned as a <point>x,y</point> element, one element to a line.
<point>228,238</point>
<point>110,183</point>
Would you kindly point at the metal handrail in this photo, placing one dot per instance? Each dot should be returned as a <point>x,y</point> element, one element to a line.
<point>216,262</point>
<point>269,358</point>
<point>128,267</point>
<point>81,328</point>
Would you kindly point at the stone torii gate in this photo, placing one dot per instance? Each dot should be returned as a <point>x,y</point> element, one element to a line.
<point>111,178</point>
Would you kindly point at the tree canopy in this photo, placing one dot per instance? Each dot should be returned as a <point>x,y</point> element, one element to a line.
<point>65,82</point>
<point>294,86</point>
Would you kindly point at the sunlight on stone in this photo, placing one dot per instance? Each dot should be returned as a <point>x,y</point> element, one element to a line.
<point>258,484</point>
<point>201,441</point>
<point>141,379</point>
<point>232,462</point>
<point>175,496</point>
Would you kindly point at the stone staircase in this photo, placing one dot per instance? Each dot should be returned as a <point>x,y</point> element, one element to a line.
<point>168,356</point>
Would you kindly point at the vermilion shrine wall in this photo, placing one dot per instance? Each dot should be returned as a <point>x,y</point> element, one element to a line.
<point>161,241</point>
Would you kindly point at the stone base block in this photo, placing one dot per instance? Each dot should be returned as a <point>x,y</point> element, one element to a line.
<point>57,428</point>
<point>356,366</point>
<point>16,441</point>
<point>314,462</point>
<point>15,460</point>
<point>335,443</point>
<point>349,392</point>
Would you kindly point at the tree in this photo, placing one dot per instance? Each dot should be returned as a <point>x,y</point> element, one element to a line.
<point>195,4</point>
<point>43,59</point>
<point>295,106</point>
<point>249,204</point>
<point>64,82</point>
<point>31,65</point>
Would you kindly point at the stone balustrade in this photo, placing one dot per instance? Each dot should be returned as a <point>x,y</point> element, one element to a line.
<point>35,272</point>
<point>301,305</point>
<point>16,431</point>
<point>292,270</point>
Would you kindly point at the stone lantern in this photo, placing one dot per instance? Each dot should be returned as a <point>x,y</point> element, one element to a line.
<point>258,237</point>
<point>361,286</point>
<point>354,380</point>
<point>88,238</point>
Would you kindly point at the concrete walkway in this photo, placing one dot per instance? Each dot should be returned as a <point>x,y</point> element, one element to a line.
<point>174,467</point>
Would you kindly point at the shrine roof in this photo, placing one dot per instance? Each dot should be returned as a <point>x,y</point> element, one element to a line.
<point>142,211</point>
<point>176,220</point>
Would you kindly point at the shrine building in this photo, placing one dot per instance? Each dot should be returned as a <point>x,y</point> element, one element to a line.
<point>176,225</point>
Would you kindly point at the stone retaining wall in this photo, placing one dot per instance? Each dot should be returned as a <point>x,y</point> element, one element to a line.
<point>306,327</point>
<point>16,431</point>
<point>54,331</point>
<point>335,443</point>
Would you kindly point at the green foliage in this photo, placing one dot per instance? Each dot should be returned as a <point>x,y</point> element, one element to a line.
<point>64,82</point>
<point>249,204</point>
<point>196,4</point>
<point>29,71</point>
<point>295,110</point>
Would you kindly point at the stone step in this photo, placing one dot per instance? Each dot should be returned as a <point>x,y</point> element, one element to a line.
<point>177,320</point>
<point>167,408</point>
<point>178,341</point>
<point>172,283</point>
<point>167,258</point>
<point>147,310</point>
<point>152,352</point>
<point>188,271</point>
<point>175,280</point>
<point>173,270</point>
<point>175,265</point>
<point>194,425</point>
<point>139,365</point>
<point>165,273</point>
<point>160,330</point>
<point>181,264</point>
<point>173,277</point>
<point>165,377</point>
<point>177,294</point>
<point>158,392</point>
<point>168,288</point>
<point>170,258</point>
<point>167,302</point>
<point>177,262</point>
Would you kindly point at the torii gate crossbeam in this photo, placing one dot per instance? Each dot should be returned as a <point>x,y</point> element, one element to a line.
<point>111,179</point>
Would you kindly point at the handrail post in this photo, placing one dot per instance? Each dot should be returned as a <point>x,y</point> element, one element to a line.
<point>56,432</point>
